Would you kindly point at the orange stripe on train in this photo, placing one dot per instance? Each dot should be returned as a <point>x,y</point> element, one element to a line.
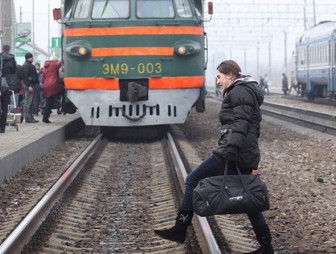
<point>132,51</point>
<point>145,30</point>
<point>77,83</point>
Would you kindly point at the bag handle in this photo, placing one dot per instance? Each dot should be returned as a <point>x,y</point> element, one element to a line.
<point>240,177</point>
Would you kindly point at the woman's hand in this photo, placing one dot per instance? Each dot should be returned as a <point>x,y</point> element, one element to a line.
<point>255,172</point>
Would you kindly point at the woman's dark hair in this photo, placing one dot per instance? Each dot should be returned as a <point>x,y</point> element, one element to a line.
<point>229,66</point>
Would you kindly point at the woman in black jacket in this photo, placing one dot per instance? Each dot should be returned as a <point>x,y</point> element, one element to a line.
<point>240,117</point>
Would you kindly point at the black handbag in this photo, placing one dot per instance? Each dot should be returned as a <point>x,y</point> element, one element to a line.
<point>230,194</point>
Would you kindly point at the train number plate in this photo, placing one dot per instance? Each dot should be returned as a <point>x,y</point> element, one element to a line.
<point>136,69</point>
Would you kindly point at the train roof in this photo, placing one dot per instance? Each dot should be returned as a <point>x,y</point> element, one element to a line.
<point>322,30</point>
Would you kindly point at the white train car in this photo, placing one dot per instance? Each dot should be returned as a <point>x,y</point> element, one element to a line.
<point>316,60</point>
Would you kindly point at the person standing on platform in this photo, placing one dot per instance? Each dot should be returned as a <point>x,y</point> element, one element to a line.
<point>293,84</point>
<point>284,83</point>
<point>8,68</point>
<point>52,85</point>
<point>30,80</point>
<point>261,82</point>
<point>266,84</point>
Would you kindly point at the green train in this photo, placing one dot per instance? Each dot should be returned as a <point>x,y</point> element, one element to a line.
<point>134,62</point>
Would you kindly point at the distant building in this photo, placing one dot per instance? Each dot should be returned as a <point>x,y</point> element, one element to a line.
<point>40,55</point>
<point>7,35</point>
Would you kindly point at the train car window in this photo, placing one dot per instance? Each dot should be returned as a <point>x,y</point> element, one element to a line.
<point>199,8</point>
<point>303,56</point>
<point>183,8</point>
<point>155,9</point>
<point>82,9</point>
<point>67,15</point>
<point>68,7</point>
<point>104,9</point>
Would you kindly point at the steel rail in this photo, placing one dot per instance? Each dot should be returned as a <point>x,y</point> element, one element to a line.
<point>325,123</point>
<point>21,235</point>
<point>310,119</point>
<point>204,234</point>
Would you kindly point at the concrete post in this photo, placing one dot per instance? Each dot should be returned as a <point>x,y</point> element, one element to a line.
<point>7,22</point>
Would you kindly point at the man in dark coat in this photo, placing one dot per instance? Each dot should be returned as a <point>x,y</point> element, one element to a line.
<point>30,79</point>
<point>8,67</point>
<point>284,83</point>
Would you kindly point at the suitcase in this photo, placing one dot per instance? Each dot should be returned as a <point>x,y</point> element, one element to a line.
<point>14,115</point>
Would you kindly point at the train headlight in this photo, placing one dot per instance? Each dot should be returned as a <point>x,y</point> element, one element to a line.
<point>181,50</point>
<point>78,49</point>
<point>184,48</point>
<point>82,51</point>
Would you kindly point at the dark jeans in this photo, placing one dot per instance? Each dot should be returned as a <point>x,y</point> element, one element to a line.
<point>5,97</point>
<point>28,105</point>
<point>211,167</point>
<point>37,99</point>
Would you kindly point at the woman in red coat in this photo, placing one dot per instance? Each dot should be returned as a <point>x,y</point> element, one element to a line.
<point>52,86</point>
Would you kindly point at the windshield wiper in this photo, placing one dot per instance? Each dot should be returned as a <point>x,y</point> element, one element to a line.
<point>106,3</point>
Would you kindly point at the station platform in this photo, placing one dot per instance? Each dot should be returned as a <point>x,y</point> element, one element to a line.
<point>32,140</point>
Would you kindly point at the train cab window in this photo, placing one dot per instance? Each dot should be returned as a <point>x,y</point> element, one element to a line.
<point>104,9</point>
<point>155,9</point>
<point>183,8</point>
<point>82,9</point>
<point>68,8</point>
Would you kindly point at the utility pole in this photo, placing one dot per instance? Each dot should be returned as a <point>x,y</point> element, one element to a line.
<point>7,23</point>
<point>270,59</point>
<point>304,15</point>
<point>33,33</point>
<point>314,12</point>
<point>285,46</point>
<point>49,45</point>
<point>245,61</point>
<point>258,58</point>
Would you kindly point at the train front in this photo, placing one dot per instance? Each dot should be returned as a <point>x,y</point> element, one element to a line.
<point>133,63</point>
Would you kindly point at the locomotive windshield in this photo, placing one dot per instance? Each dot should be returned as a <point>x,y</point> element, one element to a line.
<point>163,8</point>
<point>110,9</point>
<point>82,9</point>
<point>121,9</point>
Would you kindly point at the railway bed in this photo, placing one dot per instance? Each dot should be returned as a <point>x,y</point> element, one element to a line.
<point>298,165</point>
<point>305,188</point>
<point>103,212</point>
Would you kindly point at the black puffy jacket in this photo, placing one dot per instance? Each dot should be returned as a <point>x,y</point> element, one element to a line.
<point>8,67</point>
<point>240,118</point>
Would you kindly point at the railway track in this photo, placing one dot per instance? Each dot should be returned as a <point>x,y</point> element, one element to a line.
<point>92,226</point>
<point>300,112</point>
<point>310,119</point>
<point>21,233</point>
<point>104,202</point>
<point>119,200</point>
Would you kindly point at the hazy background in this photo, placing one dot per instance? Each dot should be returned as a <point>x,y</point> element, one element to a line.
<point>260,35</point>
<point>44,25</point>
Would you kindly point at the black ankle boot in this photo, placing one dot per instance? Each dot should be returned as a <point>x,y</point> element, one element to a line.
<point>264,238</point>
<point>178,232</point>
